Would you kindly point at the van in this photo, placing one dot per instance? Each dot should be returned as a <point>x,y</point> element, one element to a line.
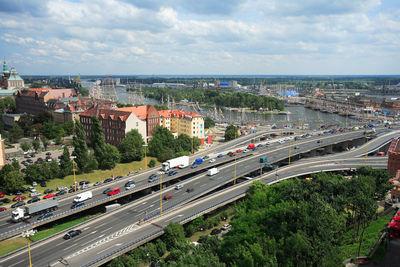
<point>212,171</point>
<point>83,196</point>
<point>178,186</point>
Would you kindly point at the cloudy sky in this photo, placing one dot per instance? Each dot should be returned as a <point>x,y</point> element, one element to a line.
<point>201,36</point>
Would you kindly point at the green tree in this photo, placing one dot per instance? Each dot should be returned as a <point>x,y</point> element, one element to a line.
<point>208,122</point>
<point>45,142</point>
<point>173,235</point>
<point>183,143</point>
<point>26,122</point>
<point>25,146</point>
<point>68,127</point>
<point>80,147</point>
<point>13,181</point>
<point>14,166</point>
<point>7,104</point>
<point>50,130</point>
<point>58,140</point>
<point>97,140</point>
<point>15,134</point>
<point>33,173</point>
<point>152,163</point>
<point>231,133</point>
<point>65,163</point>
<point>131,148</point>
<point>109,158</point>
<point>36,144</point>
<point>162,144</point>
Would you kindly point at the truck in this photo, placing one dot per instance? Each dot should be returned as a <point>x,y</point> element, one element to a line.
<point>175,163</point>
<point>83,196</point>
<point>251,146</point>
<point>263,159</point>
<point>198,161</point>
<point>212,171</point>
<point>21,214</point>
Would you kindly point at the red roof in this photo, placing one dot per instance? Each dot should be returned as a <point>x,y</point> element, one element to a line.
<point>139,111</point>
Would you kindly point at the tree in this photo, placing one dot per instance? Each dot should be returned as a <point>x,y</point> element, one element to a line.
<point>183,143</point>
<point>65,163</point>
<point>231,133</point>
<point>208,122</point>
<point>80,147</point>
<point>7,104</point>
<point>68,127</point>
<point>15,134</point>
<point>26,122</point>
<point>109,158</point>
<point>45,142</point>
<point>97,140</point>
<point>50,130</point>
<point>173,235</point>
<point>152,163</point>
<point>25,146</point>
<point>58,140</point>
<point>131,148</point>
<point>13,181</point>
<point>36,144</point>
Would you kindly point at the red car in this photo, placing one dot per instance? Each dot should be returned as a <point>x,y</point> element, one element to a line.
<point>232,155</point>
<point>49,195</point>
<point>113,191</point>
<point>238,151</point>
<point>1,194</point>
<point>19,198</point>
<point>3,208</point>
<point>166,197</point>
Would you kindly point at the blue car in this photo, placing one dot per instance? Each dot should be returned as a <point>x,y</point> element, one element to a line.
<point>77,204</point>
<point>220,155</point>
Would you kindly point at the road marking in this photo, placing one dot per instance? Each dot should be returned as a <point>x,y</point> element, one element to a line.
<point>196,182</point>
<point>99,225</point>
<point>93,232</point>
<point>106,230</point>
<point>203,185</point>
<point>16,263</point>
<point>86,228</point>
<point>69,247</point>
<point>144,203</point>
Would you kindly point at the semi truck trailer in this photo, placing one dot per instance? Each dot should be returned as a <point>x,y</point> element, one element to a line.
<point>21,214</point>
<point>180,162</point>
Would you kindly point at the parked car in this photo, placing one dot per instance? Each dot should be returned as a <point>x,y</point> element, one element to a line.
<point>72,233</point>
<point>166,197</point>
<point>18,204</point>
<point>43,184</point>
<point>62,192</point>
<point>61,188</point>
<point>85,186</point>
<point>19,198</point>
<point>33,200</point>
<point>44,216</point>
<point>35,194</point>
<point>72,190</point>
<point>107,180</point>
<point>48,191</point>
<point>5,200</point>
<point>3,209</point>
<point>97,183</point>
<point>77,204</point>
<point>84,182</point>
<point>32,189</point>
<point>49,195</point>
<point>34,183</point>
<point>118,177</point>
<point>1,194</point>
<point>113,191</point>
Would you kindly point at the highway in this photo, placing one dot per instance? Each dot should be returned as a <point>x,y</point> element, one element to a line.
<point>113,230</point>
<point>274,152</point>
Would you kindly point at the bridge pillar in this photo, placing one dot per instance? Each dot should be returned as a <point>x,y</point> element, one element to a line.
<point>329,149</point>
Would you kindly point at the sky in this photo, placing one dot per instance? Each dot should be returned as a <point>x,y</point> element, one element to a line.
<point>202,37</point>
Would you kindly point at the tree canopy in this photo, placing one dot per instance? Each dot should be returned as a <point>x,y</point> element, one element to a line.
<point>131,147</point>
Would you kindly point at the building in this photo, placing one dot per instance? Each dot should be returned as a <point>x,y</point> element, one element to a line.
<point>394,157</point>
<point>10,79</point>
<point>115,123</point>
<point>148,114</point>
<point>2,153</point>
<point>10,119</point>
<point>35,101</point>
<point>183,122</point>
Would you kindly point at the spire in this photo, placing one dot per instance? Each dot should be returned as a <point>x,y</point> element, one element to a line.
<point>5,67</point>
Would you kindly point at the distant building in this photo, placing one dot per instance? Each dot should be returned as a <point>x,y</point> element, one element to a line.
<point>2,153</point>
<point>10,79</point>
<point>168,85</point>
<point>394,157</point>
<point>10,119</point>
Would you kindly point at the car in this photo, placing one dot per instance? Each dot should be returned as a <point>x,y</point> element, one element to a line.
<point>113,191</point>
<point>30,161</point>
<point>18,193</point>
<point>107,180</point>
<point>178,186</point>
<point>48,191</point>
<point>49,195</point>
<point>32,189</point>
<point>3,209</point>
<point>77,204</point>
<point>194,166</point>
<point>34,183</point>
<point>18,204</point>
<point>33,200</point>
<point>238,150</point>
<point>1,194</point>
<point>130,185</point>
<point>232,155</point>
<point>226,226</point>
<point>48,154</point>
<point>107,190</point>
<point>189,190</point>
<point>166,197</point>
<point>118,177</point>
<point>19,198</point>
<point>27,156</point>
<point>44,216</point>
<point>23,170</point>
<point>72,233</point>
<point>212,160</point>
<point>39,160</point>
<point>172,173</point>
<point>97,183</point>
<point>296,147</point>
<point>84,182</point>
<point>246,150</point>
<point>216,231</point>
<point>72,190</point>
<point>61,188</point>
<point>48,159</point>
<point>206,157</point>
<point>62,192</point>
<point>220,155</point>
<point>85,186</point>
<point>260,145</point>
<point>319,141</point>
<point>43,184</point>
<point>35,194</point>
<point>5,200</point>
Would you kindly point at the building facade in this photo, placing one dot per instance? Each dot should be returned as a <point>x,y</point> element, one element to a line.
<point>10,79</point>
<point>2,153</point>
<point>394,157</point>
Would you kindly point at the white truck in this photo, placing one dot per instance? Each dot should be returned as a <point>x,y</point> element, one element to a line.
<point>181,162</point>
<point>212,171</point>
<point>20,214</point>
<point>83,196</point>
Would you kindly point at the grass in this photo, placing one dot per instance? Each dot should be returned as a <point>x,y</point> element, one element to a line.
<point>371,236</point>
<point>10,245</point>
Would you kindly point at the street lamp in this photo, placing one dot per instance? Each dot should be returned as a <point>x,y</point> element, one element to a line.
<point>234,179</point>
<point>289,150</point>
<point>161,194</point>
<point>27,234</point>
<point>73,168</point>
<point>145,158</point>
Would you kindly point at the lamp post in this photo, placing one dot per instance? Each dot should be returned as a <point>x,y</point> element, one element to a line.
<point>160,194</point>
<point>234,178</point>
<point>366,149</point>
<point>27,234</point>
<point>73,168</point>
<point>289,150</point>
<point>145,158</point>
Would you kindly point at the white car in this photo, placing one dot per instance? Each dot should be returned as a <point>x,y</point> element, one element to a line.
<point>212,160</point>
<point>35,194</point>
<point>33,190</point>
<point>245,150</point>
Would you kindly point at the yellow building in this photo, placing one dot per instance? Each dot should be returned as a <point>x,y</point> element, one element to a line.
<point>182,122</point>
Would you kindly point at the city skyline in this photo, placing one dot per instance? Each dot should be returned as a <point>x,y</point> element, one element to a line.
<point>201,37</point>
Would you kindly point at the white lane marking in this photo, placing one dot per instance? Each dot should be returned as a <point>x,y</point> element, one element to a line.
<point>105,230</point>
<point>93,232</point>
<point>101,235</point>
<point>69,247</point>
<point>203,185</point>
<point>99,225</point>
<point>196,182</point>
<point>144,203</point>
<point>86,228</point>
<point>16,263</point>
<point>88,242</point>
<point>180,215</point>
